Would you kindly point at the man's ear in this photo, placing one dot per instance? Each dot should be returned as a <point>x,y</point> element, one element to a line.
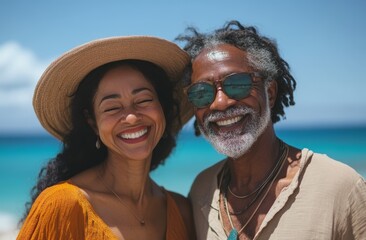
<point>272,92</point>
<point>90,120</point>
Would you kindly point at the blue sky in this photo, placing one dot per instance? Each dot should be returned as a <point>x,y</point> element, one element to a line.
<point>323,41</point>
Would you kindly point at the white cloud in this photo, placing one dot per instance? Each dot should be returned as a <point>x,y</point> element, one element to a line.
<point>19,72</point>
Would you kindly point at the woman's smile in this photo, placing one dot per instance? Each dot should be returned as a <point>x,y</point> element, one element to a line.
<point>135,135</point>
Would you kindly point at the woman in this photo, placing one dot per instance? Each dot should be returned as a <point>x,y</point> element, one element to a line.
<point>113,104</point>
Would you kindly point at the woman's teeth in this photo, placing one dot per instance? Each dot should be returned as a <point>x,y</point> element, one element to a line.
<point>134,135</point>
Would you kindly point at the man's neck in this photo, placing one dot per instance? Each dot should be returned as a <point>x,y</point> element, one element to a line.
<point>249,170</point>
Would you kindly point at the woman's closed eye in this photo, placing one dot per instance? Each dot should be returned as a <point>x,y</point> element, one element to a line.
<point>111,109</point>
<point>144,101</point>
<point>139,103</point>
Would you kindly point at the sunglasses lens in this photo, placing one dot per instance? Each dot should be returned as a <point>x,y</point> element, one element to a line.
<point>201,94</point>
<point>237,86</point>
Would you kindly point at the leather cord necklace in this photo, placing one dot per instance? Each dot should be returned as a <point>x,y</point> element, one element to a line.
<point>244,196</point>
<point>246,207</point>
<point>233,234</point>
<point>261,186</point>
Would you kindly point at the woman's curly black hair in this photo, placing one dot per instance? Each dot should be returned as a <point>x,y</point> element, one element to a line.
<point>79,152</point>
<point>262,54</point>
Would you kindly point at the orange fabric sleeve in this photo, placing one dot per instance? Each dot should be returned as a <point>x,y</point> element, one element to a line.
<point>63,212</point>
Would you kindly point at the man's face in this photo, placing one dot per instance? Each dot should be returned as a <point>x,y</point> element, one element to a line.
<point>232,126</point>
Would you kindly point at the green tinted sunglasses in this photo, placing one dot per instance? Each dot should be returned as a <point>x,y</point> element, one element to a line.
<point>236,86</point>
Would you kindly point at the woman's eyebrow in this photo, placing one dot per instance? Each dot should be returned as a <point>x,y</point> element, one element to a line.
<point>135,91</point>
<point>115,95</point>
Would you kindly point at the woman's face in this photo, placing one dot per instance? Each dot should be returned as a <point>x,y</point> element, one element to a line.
<point>128,116</point>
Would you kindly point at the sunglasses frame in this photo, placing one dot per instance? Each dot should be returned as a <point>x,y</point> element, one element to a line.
<point>218,85</point>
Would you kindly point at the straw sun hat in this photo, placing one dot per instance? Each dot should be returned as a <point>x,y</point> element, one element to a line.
<point>51,99</point>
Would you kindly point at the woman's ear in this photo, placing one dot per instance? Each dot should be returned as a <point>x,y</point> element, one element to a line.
<point>272,92</point>
<point>91,121</point>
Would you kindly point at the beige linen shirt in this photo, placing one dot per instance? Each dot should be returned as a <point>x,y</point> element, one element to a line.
<point>325,200</point>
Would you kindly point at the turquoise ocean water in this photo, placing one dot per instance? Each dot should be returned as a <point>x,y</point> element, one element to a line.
<point>22,156</point>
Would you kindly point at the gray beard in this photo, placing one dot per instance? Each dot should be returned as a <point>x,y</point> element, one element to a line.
<point>236,143</point>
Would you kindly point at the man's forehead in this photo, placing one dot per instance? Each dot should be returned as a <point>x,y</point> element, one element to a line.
<point>220,52</point>
<point>218,61</point>
<point>217,55</point>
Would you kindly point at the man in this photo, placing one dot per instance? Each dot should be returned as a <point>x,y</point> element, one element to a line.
<point>264,189</point>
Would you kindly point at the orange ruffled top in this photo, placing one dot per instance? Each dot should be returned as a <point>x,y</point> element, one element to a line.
<point>63,212</point>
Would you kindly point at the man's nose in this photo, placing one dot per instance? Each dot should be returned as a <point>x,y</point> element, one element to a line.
<point>221,101</point>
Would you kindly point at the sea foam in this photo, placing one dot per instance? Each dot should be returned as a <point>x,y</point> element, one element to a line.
<point>8,226</point>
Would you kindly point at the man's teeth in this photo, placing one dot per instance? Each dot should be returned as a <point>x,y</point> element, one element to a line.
<point>229,121</point>
<point>134,135</point>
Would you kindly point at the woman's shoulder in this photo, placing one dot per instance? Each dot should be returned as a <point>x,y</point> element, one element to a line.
<point>59,188</point>
<point>57,213</point>
<point>61,195</point>
<point>181,201</point>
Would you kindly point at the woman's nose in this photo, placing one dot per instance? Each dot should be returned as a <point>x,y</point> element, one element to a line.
<point>132,118</point>
<point>130,115</point>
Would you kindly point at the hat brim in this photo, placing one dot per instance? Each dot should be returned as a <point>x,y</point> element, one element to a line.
<point>51,100</point>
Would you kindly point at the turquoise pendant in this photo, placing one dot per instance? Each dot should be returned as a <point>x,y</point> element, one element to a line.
<point>233,235</point>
